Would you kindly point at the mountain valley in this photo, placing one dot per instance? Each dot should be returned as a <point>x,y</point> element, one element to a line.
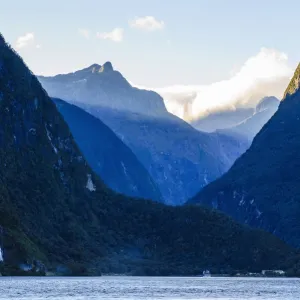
<point>57,215</point>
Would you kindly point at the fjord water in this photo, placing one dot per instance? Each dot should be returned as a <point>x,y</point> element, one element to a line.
<point>146,288</point>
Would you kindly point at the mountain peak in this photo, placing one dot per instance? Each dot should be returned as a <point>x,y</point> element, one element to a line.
<point>96,68</point>
<point>107,67</point>
<point>106,87</point>
<point>93,68</point>
<point>2,38</point>
<point>266,103</point>
<point>294,83</point>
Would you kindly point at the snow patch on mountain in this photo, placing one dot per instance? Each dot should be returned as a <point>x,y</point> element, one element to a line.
<point>1,255</point>
<point>50,139</point>
<point>89,184</point>
<point>124,169</point>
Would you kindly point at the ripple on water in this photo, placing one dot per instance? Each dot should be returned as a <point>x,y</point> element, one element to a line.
<point>146,288</point>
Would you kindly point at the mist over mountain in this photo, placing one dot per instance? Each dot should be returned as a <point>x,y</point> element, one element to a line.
<point>223,119</point>
<point>230,106</point>
<point>252,124</point>
<point>265,74</point>
<point>177,156</point>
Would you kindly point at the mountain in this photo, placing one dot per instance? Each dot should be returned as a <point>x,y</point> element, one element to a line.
<point>48,193</point>
<point>55,213</point>
<point>104,86</point>
<point>262,187</point>
<point>262,113</point>
<point>108,156</point>
<point>177,156</point>
<point>222,119</point>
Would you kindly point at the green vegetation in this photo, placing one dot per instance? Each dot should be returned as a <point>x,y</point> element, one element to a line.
<point>51,213</point>
<point>294,83</point>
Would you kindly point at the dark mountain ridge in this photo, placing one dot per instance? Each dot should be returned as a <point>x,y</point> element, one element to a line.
<point>262,187</point>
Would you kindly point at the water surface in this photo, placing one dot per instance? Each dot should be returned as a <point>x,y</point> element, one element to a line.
<point>146,288</point>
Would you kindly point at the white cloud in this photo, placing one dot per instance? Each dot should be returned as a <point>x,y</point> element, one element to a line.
<point>84,33</point>
<point>148,23</point>
<point>116,35</point>
<point>265,74</point>
<point>25,40</point>
<point>38,46</point>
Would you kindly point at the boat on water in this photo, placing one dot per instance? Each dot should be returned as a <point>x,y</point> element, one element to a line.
<point>206,273</point>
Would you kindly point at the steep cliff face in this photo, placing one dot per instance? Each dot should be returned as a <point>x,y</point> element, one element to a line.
<point>108,156</point>
<point>47,188</point>
<point>262,187</point>
<point>102,85</point>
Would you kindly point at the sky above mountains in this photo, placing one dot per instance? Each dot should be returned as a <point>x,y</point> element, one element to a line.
<point>264,74</point>
<point>188,47</point>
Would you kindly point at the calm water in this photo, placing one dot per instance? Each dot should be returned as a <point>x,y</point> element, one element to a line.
<point>144,288</point>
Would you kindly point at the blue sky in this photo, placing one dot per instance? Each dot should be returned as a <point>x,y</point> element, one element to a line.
<point>193,41</point>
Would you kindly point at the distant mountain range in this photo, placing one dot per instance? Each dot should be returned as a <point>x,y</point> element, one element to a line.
<point>102,85</point>
<point>262,188</point>
<point>249,127</point>
<point>223,119</point>
<point>177,156</point>
<point>108,156</point>
<point>243,122</point>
